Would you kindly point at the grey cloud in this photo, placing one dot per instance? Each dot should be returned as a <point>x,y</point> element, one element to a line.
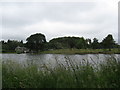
<point>22,14</point>
<point>16,16</point>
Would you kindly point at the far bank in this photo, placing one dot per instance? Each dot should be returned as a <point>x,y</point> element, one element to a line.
<point>81,51</point>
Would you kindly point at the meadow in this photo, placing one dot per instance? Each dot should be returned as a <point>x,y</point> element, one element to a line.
<point>83,75</point>
<point>82,51</point>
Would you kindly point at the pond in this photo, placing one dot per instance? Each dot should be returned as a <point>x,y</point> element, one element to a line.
<point>55,59</point>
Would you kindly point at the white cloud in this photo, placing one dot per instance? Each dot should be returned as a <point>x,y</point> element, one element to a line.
<point>59,26</point>
<point>47,0</point>
<point>88,19</point>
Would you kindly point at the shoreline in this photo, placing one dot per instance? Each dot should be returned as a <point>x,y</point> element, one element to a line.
<point>82,51</point>
<point>74,51</point>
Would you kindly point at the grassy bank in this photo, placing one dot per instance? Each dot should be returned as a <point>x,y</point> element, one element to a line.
<point>12,52</point>
<point>82,51</point>
<point>77,51</point>
<point>84,75</point>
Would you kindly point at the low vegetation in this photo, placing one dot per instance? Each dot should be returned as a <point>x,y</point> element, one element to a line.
<point>82,75</point>
<point>82,51</point>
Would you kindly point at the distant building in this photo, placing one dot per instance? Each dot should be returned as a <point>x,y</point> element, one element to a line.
<point>19,49</point>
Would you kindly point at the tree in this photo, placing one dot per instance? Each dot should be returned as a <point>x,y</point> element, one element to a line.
<point>88,41</point>
<point>10,45</point>
<point>36,42</point>
<point>81,43</point>
<point>108,42</point>
<point>95,44</point>
<point>68,42</point>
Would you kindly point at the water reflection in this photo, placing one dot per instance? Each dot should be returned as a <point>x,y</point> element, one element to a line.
<point>55,59</point>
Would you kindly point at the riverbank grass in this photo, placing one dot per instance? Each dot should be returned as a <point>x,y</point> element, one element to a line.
<point>77,51</point>
<point>84,75</point>
<point>82,51</point>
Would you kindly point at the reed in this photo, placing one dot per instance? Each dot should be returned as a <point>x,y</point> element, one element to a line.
<point>70,75</point>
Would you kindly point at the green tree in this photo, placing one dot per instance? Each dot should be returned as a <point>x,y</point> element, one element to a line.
<point>88,42</point>
<point>36,42</point>
<point>81,43</point>
<point>10,45</point>
<point>68,42</point>
<point>95,44</point>
<point>108,42</point>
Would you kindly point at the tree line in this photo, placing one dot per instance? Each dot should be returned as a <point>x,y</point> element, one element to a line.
<point>37,42</point>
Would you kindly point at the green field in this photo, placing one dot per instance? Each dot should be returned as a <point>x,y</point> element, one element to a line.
<point>82,51</point>
<point>84,75</point>
<point>78,51</point>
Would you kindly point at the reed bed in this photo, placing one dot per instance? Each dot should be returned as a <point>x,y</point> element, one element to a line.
<point>71,75</point>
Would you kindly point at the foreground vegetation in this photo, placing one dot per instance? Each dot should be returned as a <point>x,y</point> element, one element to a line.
<point>82,75</point>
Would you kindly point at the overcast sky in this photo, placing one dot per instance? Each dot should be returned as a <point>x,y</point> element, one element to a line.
<point>88,19</point>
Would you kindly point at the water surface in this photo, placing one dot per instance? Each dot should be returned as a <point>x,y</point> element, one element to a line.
<point>55,59</point>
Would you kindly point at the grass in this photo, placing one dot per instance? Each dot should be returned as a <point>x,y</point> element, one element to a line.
<point>82,51</point>
<point>8,52</point>
<point>82,75</point>
<point>0,73</point>
<point>78,51</point>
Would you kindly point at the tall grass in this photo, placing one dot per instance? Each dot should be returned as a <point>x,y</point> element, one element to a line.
<point>71,75</point>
